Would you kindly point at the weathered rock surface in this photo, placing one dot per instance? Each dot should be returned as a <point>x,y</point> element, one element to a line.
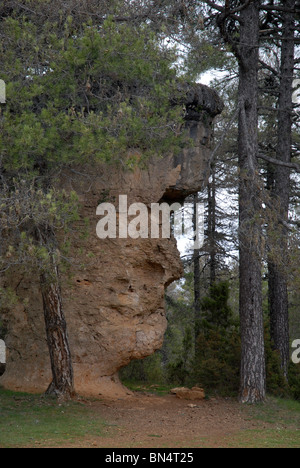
<point>195,393</point>
<point>114,293</point>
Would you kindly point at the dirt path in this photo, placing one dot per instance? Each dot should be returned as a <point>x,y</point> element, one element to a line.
<point>149,421</point>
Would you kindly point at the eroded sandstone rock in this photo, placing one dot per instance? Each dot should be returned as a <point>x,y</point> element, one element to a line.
<point>183,393</point>
<point>114,294</point>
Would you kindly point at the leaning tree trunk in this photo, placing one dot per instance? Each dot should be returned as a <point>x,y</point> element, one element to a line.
<point>62,384</point>
<point>253,374</point>
<point>278,289</point>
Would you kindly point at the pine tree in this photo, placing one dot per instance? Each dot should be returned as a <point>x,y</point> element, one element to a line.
<point>278,269</point>
<point>242,34</point>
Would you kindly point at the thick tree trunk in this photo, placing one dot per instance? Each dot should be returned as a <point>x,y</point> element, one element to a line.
<point>279,311</point>
<point>278,290</point>
<point>196,265</point>
<point>211,190</point>
<point>253,374</point>
<point>62,384</point>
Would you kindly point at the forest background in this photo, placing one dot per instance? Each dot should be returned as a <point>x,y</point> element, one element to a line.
<point>202,344</point>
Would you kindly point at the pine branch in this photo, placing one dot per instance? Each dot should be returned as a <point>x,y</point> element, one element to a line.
<point>277,162</point>
<point>215,6</point>
<point>268,67</point>
<point>221,142</point>
<point>277,8</point>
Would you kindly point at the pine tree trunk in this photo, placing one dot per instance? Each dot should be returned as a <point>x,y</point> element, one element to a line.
<point>211,189</point>
<point>279,313</point>
<point>196,265</point>
<point>62,384</point>
<point>278,289</point>
<point>253,374</point>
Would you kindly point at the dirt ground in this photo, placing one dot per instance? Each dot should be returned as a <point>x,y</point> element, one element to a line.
<point>149,421</point>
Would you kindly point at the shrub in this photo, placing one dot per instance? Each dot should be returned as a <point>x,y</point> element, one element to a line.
<point>294,380</point>
<point>148,370</point>
<point>217,360</point>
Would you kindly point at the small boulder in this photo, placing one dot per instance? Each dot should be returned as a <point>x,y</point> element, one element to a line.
<point>196,393</point>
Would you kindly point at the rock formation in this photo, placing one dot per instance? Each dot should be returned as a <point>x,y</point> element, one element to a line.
<point>114,291</point>
<point>183,393</point>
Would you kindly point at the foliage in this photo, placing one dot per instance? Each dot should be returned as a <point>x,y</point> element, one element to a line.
<point>276,383</point>
<point>148,370</point>
<point>25,211</point>
<point>294,380</point>
<point>179,347</point>
<point>213,362</point>
<point>217,359</point>
<point>78,93</point>
<point>85,96</point>
<point>8,300</point>
<point>216,311</point>
<point>179,367</point>
<point>218,350</point>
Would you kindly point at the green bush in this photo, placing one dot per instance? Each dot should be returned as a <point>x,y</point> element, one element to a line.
<point>294,380</point>
<point>217,361</point>
<point>213,359</point>
<point>148,370</point>
<point>178,370</point>
<point>276,382</point>
<point>218,349</point>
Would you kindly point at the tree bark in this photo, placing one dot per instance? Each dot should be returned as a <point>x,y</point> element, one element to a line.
<point>253,373</point>
<point>62,384</point>
<point>211,221</point>
<point>196,266</point>
<point>278,288</point>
